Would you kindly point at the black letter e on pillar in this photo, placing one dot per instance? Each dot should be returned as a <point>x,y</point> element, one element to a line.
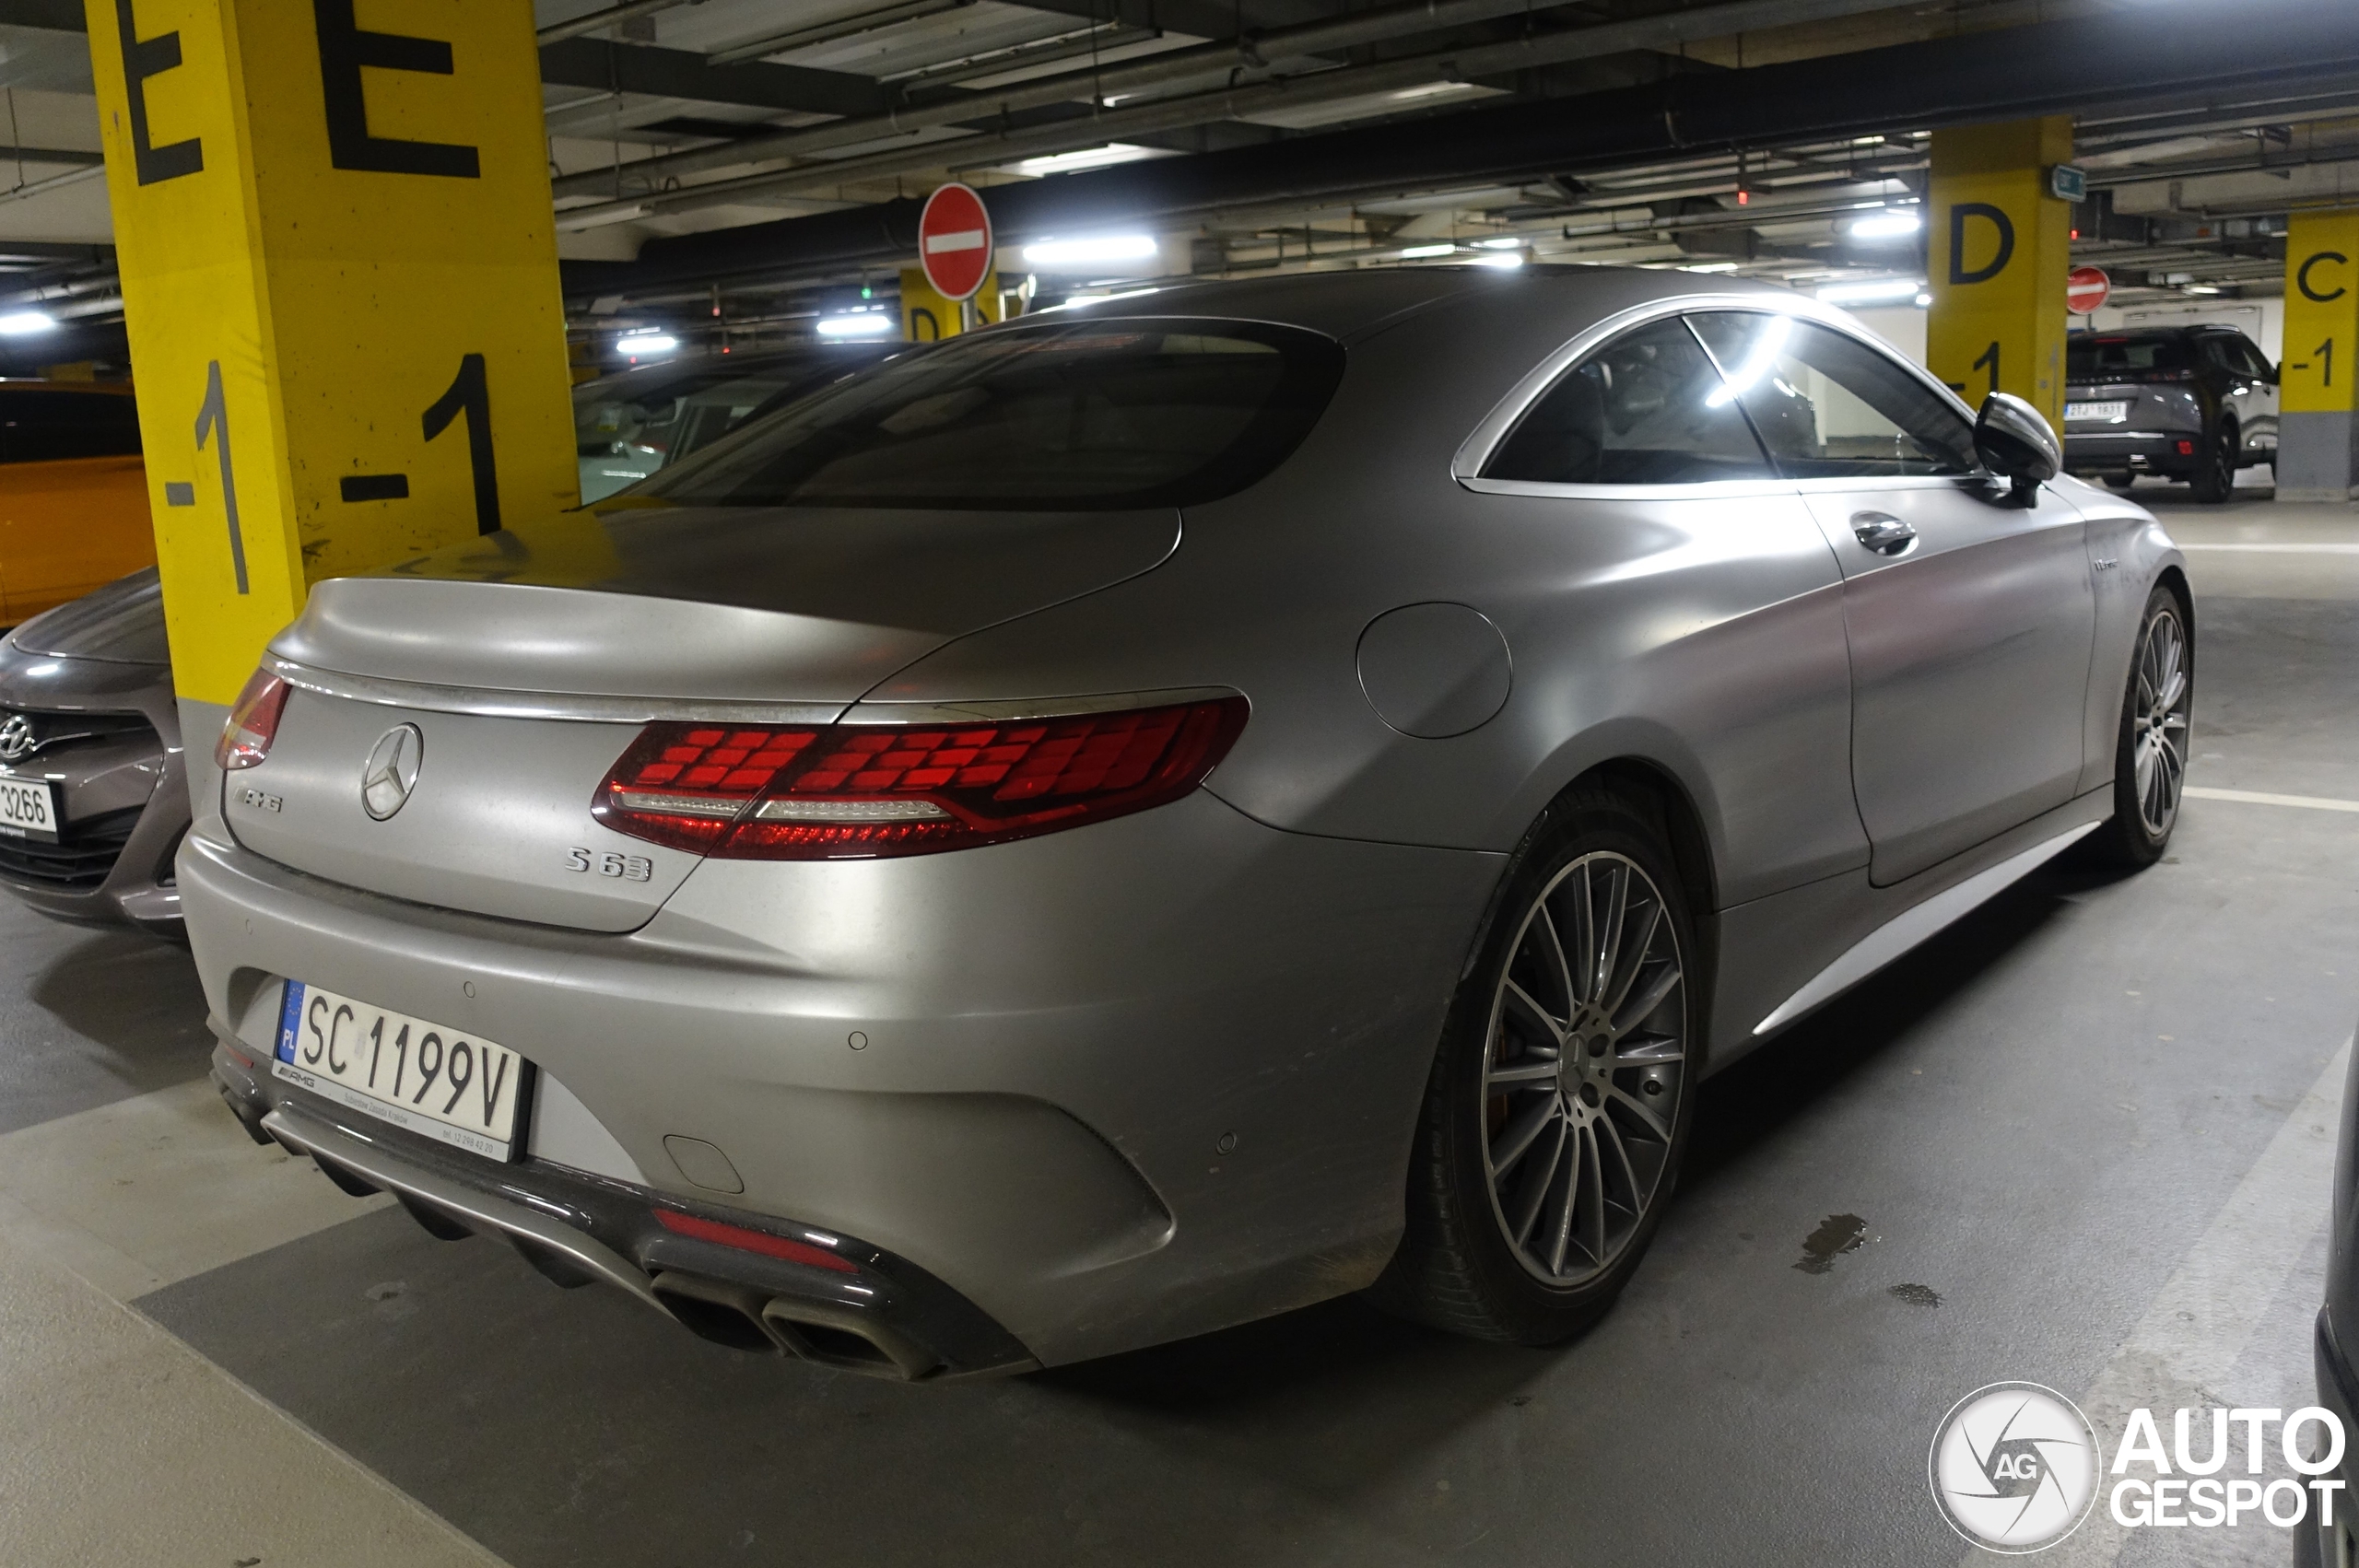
<point>344,49</point>
<point>141,60</point>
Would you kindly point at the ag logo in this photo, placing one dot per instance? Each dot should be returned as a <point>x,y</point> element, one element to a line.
<point>2015,1467</point>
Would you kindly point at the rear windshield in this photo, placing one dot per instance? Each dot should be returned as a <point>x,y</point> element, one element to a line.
<point>42,426</point>
<point>1077,414</point>
<point>2087,357</point>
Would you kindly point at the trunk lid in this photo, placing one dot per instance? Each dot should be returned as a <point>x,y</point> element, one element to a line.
<point>527,663</point>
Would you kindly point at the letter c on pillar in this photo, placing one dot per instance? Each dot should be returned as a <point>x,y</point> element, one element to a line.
<point>2302,276</point>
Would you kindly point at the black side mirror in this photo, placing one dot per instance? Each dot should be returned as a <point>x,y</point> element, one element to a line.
<point>2012,439</point>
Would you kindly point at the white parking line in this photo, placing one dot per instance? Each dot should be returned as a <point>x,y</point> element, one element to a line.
<point>2197,1328</point>
<point>125,1445</point>
<point>2280,549</point>
<point>2255,798</point>
<point>138,1194</point>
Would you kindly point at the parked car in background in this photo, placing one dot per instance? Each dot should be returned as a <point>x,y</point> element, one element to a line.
<point>629,426</point>
<point>2188,403</point>
<point>1153,814</point>
<point>93,800</point>
<point>74,508</point>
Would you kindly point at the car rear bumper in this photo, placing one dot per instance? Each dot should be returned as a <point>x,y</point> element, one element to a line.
<point>867,1312</point>
<point>1112,1086</point>
<point>2133,452</point>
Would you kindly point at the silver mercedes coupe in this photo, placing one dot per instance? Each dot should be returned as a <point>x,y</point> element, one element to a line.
<point>1171,810</point>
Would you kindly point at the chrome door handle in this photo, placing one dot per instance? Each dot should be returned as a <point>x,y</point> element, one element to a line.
<point>1883,533</point>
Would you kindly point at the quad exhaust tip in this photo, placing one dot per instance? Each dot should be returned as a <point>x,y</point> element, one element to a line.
<point>737,1315</point>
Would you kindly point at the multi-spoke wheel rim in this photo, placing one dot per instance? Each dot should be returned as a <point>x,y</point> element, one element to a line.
<point>1583,1069</point>
<point>2158,724</point>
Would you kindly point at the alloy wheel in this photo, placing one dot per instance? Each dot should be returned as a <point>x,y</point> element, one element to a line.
<point>1583,1069</point>
<point>2158,722</point>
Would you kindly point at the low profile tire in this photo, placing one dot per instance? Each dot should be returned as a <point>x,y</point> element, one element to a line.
<point>1557,1116</point>
<point>2150,755</point>
<point>2217,477</point>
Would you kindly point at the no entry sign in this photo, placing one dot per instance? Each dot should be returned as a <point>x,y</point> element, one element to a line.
<point>955,241</point>
<point>2085,288</point>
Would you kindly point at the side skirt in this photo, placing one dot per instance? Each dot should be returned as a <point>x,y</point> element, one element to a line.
<point>1830,935</point>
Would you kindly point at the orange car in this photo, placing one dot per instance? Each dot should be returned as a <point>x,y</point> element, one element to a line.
<point>73,493</point>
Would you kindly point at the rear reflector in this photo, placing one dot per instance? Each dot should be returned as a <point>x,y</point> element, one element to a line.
<point>859,791</point>
<point>745,1240</point>
<point>253,724</point>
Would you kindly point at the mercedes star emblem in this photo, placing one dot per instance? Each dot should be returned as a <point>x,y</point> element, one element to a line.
<point>392,773</point>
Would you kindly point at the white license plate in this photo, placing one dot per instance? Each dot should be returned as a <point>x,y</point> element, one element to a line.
<point>2114,411</point>
<point>434,1079</point>
<point>29,809</point>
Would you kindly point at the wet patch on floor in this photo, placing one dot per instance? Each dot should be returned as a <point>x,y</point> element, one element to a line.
<point>1836,1234</point>
<point>1916,1295</point>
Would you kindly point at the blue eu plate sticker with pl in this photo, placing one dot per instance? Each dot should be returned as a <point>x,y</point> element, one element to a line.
<point>290,1016</point>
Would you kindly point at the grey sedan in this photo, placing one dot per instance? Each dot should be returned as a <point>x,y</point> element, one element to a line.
<point>1169,811</point>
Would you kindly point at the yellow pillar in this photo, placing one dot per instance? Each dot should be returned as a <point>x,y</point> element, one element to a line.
<point>339,271</point>
<point>1998,247</point>
<point>927,317</point>
<point>2314,436</point>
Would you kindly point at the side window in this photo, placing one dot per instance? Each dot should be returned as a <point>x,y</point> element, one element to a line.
<point>2220,352</point>
<point>1647,408</point>
<point>1827,405</point>
<point>2256,363</point>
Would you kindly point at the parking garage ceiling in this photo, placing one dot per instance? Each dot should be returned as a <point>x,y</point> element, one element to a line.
<point>755,160</point>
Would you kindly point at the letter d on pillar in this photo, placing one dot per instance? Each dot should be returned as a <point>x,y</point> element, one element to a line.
<point>339,271</point>
<point>1998,247</point>
<point>2315,428</point>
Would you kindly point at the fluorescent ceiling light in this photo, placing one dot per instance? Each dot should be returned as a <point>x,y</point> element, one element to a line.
<point>2191,288</point>
<point>867,324</point>
<point>1711,267</point>
<point>1431,89</point>
<point>1087,158</point>
<point>1419,253</point>
<point>1888,224</point>
<point>1866,293</point>
<point>1504,242</point>
<point>1089,253</point>
<point>1924,299</point>
<point>1500,259</point>
<point>651,340</point>
<point>24,324</point>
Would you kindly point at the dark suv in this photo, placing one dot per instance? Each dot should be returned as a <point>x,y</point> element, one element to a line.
<point>2190,404</point>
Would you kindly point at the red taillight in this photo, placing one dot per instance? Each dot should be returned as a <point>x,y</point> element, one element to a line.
<point>2187,449</point>
<point>745,1240</point>
<point>253,724</point>
<point>859,791</point>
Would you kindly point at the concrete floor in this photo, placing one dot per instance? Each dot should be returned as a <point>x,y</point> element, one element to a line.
<point>2085,1131</point>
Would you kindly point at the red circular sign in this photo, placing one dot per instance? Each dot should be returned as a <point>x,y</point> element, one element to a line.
<point>2085,288</point>
<point>955,241</point>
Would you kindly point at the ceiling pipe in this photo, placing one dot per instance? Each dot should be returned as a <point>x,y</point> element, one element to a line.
<point>1239,102</point>
<point>2042,68</point>
<point>1249,52</point>
<point>557,32</point>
